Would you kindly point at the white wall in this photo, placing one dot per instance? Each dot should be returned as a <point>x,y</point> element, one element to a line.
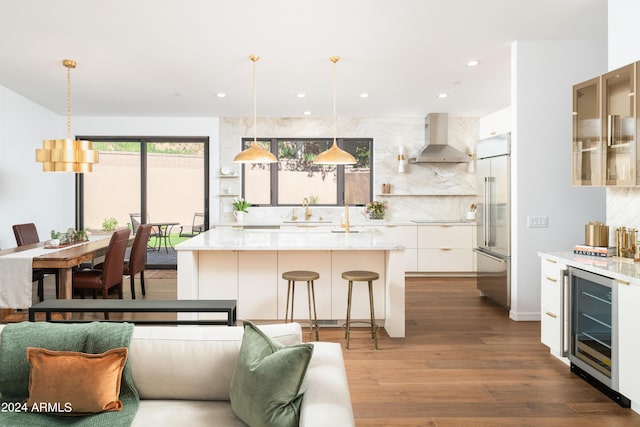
<point>26,193</point>
<point>623,32</point>
<point>623,204</point>
<point>543,73</point>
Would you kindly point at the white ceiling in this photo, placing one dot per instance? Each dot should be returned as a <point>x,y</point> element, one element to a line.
<point>171,57</point>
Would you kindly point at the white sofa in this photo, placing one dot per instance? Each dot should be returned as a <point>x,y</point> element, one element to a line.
<point>183,376</point>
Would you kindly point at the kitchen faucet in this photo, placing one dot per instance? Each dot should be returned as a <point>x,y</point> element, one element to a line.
<point>307,211</point>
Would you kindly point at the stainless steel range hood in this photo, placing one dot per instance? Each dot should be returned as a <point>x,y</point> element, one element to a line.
<point>437,148</point>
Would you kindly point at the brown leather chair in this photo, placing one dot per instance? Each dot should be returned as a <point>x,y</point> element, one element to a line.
<point>137,258</point>
<point>111,273</point>
<point>27,234</point>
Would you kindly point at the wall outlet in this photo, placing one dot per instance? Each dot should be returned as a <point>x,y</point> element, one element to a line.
<point>537,221</point>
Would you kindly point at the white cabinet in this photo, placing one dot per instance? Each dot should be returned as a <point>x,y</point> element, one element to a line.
<point>629,345</point>
<point>407,236</point>
<point>495,123</point>
<point>554,306</point>
<point>257,285</point>
<point>446,248</point>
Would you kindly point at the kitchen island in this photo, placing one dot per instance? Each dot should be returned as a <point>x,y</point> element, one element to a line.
<point>247,265</point>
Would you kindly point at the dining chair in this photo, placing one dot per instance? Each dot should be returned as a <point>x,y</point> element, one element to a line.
<point>110,275</point>
<point>136,222</point>
<point>137,258</point>
<point>27,234</point>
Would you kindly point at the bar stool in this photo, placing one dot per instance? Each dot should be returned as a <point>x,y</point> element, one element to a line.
<point>361,276</point>
<point>308,276</point>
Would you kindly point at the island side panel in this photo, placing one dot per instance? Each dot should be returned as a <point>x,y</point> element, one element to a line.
<point>187,285</point>
<point>218,279</point>
<point>257,285</point>
<point>394,322</point>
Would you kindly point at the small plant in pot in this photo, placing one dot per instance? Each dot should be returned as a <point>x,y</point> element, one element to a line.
<point>376,210</point>
<point>240,207</point>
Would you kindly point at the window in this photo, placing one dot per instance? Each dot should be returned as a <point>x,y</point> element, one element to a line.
<point>162,179</point>
<point>296,177</point>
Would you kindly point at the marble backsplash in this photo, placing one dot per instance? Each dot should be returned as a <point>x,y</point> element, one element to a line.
<point>623,210</point>
<point>424,191</point>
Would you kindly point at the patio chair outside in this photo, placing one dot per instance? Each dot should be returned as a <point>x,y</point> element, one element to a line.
<point>197,226</point>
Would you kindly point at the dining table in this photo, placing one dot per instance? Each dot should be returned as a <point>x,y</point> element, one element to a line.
<point>62,258</point>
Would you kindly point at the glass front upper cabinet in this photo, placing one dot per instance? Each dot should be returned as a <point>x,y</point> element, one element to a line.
<point>619,126</point>
<point>587,134</point>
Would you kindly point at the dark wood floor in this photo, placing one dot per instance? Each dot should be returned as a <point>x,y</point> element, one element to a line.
<point>462,363</point>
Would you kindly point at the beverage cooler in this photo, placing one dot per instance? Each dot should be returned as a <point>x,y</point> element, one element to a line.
<point>594,333</point>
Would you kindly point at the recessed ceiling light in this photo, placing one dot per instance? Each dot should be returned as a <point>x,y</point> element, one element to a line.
<point>221,94</point>
<point>307,113</point>
<point>472,63</point>
<point>442,95</point>
<point>301,94</point>
<point>364,95</point>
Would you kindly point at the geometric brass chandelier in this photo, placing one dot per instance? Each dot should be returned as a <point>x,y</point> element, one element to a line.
<point>67,155</point>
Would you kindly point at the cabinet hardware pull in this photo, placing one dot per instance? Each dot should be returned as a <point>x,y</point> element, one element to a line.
<point>552,261</point>
<point>551,279</point>
<point>445,249</point>
<point>623,282</point>
<point>550,314</point>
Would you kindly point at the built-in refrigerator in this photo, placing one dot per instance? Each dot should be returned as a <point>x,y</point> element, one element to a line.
<point>493,253</point>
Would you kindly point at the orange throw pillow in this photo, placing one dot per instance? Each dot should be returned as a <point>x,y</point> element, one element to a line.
<point>68,382</point>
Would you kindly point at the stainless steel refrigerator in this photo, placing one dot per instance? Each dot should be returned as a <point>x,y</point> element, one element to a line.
<point>493,254</point>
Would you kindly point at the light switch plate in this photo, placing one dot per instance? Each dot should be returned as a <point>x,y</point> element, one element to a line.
<point>537,221</point>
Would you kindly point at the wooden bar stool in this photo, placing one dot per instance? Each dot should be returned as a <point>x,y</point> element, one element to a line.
<point>361,276</point>
<point>307,276</point>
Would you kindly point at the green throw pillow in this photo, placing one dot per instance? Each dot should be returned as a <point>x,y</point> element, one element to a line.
<point>266,386</point>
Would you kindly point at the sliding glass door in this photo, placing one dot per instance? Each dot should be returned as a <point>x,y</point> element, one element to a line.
<point>163,181</point>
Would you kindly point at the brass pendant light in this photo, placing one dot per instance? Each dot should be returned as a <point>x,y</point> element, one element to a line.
<point>67,155</point>
<point>334,155</point>
<point>255,154</point>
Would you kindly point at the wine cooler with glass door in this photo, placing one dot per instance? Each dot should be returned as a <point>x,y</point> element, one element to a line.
<point>594,333</point>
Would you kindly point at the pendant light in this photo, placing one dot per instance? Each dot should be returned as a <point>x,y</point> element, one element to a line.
<point>334,155</point>
<point>67,155</point>
<point>255,154</point>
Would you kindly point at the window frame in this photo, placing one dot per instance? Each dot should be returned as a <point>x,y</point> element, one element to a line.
<point>273,169</point>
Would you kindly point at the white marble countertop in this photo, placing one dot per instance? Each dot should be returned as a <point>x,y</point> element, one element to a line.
<point>609,266</point>
<point>231,238</point>
<point>391,222</point>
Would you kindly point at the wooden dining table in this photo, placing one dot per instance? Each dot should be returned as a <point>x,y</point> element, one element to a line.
<point>66,259</point>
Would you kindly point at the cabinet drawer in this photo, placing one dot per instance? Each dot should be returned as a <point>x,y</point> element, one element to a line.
<point>551,293</point>
<point>551,331</point>
<point>445,236</point>
<point>441,260</point>
<point>406,235</point>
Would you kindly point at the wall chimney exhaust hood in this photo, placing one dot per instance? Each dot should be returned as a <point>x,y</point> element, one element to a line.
<point>437,148</point>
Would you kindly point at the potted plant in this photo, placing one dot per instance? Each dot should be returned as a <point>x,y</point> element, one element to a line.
<point>376,210</point>
<point>240,207</point>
